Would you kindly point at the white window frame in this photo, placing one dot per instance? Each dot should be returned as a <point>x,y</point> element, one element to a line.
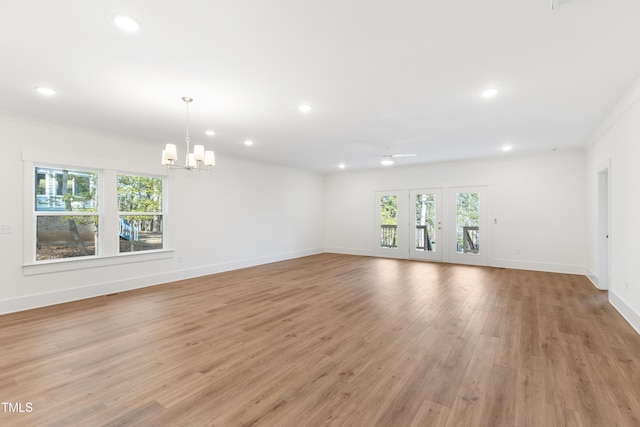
<point>159,213</point>
<point>108,250</point>
<point>44,213</point>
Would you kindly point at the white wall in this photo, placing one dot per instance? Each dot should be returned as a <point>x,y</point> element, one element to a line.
<point>618,143</point>
<point>539,201</point>
<point>244,214</point>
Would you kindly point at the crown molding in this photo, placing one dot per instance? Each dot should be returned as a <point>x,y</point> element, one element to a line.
<point>627,101</point>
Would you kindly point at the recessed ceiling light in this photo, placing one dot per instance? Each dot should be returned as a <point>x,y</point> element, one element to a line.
<point>490,93</point>
<point>210,133</point>
<point>126,23</point>
<point>46,91</point>
<point>342,166</point>
<point>248,143</point>
<point>506,148</point>
<point>305,108</point>
<point>386,161</point>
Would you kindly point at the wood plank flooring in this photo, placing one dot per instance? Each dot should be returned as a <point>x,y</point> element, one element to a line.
<point>329,340</point>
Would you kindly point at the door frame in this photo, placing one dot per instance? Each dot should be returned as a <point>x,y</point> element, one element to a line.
<point>604,226</point>
<point>448,232</point>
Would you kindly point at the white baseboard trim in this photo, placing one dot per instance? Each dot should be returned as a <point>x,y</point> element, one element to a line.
<point>237,265</point>
<point>593,278</point>
<point>538,266</point>
<point>99,289</point>
<point>349,251</point>
<point>632,317</point>
<point>496,262</point>
<point>28,302</point>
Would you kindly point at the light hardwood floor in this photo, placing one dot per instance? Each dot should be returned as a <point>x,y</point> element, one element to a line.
<point>329,340</point>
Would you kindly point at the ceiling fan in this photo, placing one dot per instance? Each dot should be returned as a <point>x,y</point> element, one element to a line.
<point>387,159</point>
<point>557,3</point>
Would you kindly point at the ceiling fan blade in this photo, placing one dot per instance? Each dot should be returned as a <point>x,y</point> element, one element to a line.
<point>404,155</point>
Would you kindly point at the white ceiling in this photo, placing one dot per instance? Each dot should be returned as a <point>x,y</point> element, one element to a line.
<point>382,76</point>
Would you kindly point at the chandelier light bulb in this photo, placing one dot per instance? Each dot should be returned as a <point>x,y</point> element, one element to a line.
<point>171,152</point>
<point>164,161</point>
<point>198,152</point>
<point>209,158</point>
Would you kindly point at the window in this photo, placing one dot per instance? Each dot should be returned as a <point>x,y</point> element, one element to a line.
<point>139,213</point>
<point>84,213</point>
<point>66,213</point>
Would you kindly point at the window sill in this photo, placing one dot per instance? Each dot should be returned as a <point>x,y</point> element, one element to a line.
<point>71,264</point>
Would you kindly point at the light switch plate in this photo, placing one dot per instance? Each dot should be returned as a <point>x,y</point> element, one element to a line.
<point>6,229</point>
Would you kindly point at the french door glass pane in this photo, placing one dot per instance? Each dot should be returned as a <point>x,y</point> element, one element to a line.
<point>468,223</point>
<point>389,222</point>
<point>425,235</point>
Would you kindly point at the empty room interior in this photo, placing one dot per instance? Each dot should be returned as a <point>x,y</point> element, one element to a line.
<point>349,213</point>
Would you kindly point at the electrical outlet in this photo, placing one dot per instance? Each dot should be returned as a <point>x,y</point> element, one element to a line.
<point>6,229</point>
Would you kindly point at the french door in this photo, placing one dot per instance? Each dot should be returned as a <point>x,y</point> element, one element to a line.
<point>433,224</point>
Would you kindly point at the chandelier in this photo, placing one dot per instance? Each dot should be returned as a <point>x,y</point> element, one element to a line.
<point>198,160</point>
